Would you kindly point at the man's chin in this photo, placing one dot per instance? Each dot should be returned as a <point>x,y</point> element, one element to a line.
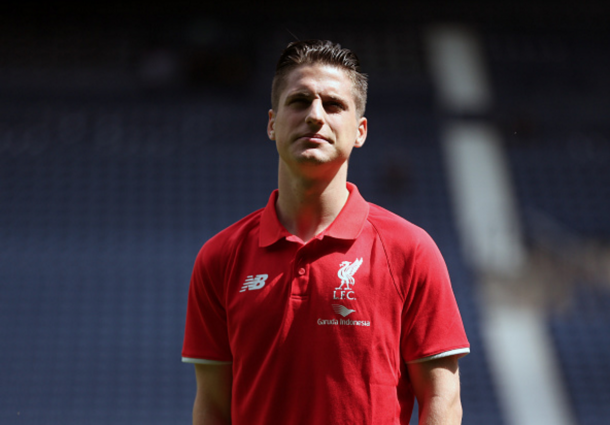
<point>313,158</point>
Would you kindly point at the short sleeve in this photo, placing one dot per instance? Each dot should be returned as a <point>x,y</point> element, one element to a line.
<point>206,338</point>
<point>431,321</point>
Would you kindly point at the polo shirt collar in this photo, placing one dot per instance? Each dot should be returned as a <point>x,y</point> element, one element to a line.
<point>348,224</point>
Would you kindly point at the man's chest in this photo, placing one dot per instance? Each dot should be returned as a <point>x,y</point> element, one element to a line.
<point>328,295</point>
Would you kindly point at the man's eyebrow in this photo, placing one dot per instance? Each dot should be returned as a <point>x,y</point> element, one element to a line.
<point>305,94</point>
<point>336,98</point>
<point>299,93</point>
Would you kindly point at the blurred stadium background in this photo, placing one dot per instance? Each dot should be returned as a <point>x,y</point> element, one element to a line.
<point>130,133</point>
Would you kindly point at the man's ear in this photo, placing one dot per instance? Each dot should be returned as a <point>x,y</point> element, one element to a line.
<point>271,125</point>
<point>362,132</point>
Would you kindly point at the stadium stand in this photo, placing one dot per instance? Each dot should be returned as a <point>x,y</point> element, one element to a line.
<point>107,195</point>
<point>101,226</point>
<point>552,102</point>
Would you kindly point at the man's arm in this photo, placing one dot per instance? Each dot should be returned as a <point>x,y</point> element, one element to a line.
<point>436,384</point>
<point>213,400</point>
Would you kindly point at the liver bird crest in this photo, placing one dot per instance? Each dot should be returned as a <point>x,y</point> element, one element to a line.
<point>346,273</point>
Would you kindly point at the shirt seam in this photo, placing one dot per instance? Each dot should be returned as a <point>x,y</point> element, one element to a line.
<point>385,253</point>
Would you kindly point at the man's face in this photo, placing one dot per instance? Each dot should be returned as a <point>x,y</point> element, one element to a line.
<point>316,121</point>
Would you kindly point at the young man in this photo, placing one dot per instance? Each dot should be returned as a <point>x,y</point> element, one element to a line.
<point>322,308</point>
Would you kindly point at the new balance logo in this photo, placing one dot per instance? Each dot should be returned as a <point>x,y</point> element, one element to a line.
<point>253,283</point>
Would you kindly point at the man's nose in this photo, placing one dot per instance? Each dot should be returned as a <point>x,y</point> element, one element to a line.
<point>315,115</point>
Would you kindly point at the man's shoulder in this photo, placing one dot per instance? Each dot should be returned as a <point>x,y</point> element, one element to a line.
<point>236,233</point>
<point>392,226</point>
<point>405,244</point>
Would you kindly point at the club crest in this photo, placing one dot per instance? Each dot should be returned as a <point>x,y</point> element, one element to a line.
<point>346,273</point>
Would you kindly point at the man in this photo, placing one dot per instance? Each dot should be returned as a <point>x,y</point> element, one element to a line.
<point>322,308</point>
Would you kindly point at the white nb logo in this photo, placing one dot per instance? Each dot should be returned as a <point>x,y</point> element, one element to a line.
<point>253,283</point>
<point>346,273</point>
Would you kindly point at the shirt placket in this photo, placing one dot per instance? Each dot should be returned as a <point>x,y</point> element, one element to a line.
<point>301,269</point>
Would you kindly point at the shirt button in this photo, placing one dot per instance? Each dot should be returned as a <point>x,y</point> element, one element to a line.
<point>301,271</point>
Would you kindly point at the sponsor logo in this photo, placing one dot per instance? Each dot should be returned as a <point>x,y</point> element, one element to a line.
<point>342,310</point>
<point>346,274</point>
<point>253,283</point>
<point>343,322</point>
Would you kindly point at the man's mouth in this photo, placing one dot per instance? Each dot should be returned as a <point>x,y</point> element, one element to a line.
<point>316,138</point>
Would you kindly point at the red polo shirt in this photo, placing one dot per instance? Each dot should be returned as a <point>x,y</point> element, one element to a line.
<point>319,333</point>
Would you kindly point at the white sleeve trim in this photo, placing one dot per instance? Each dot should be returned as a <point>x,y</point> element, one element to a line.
<point>459,351</point>
<point>204,361</point>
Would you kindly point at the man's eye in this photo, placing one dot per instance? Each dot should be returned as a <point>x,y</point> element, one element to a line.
<point>335,105</point>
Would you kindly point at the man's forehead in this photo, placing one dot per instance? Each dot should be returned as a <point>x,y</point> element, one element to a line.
<point>307,78</point>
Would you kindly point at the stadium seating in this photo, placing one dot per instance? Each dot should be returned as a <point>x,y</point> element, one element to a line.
<point>106,199</point>
<point>103,220</point>
<point>552,98</point>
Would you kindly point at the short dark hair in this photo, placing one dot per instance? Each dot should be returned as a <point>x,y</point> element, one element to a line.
<point>309,52</point>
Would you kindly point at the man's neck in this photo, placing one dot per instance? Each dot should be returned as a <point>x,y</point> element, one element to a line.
<point>306,207</point>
